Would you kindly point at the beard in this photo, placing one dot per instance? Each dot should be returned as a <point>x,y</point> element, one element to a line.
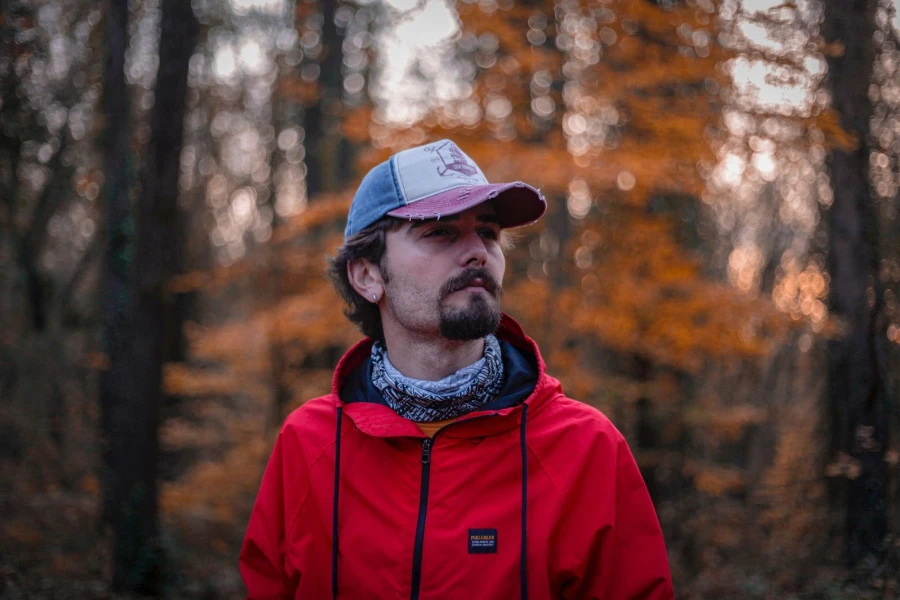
<point>480,316</point>
<point>471,322</point>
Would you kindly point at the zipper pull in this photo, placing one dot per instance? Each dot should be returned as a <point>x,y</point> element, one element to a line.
<point>426,451</point>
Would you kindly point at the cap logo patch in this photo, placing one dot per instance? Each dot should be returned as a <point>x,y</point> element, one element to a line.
<point>452,159</point>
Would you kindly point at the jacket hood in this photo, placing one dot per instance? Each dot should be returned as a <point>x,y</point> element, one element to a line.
<point>380,420</point>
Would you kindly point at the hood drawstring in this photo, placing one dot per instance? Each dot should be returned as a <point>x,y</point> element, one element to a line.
<point>334,517</point>
<point>523,560</point>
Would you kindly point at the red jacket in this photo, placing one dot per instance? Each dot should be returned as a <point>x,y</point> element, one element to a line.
<point>540,500</point>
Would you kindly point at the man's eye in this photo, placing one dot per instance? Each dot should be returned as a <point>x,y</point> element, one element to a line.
<point>436,232</point>
<point>490,234</point>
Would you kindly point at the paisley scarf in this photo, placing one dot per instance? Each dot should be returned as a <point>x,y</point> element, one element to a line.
<point>460,393</point>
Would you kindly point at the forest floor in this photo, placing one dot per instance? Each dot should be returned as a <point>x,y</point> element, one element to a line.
<point>50,546</point>
<point>53,547</point>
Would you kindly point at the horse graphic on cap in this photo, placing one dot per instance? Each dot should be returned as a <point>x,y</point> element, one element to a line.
<point>454,160</point>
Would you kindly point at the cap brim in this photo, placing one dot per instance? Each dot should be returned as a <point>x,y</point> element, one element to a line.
<point>517,203</point>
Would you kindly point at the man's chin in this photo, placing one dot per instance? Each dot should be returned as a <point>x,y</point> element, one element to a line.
<point>474,321</point>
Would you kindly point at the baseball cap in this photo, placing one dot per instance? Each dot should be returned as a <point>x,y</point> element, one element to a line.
<point>434,180</point>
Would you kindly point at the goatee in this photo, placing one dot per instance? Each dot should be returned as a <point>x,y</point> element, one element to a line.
<point>480,317</point>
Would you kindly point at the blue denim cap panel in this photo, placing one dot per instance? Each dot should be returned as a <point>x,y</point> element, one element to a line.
<point>376,196</point>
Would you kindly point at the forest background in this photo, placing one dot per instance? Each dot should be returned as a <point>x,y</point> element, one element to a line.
<point>718,270</point>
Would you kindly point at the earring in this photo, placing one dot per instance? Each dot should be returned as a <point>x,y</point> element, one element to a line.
<point>374,298</point>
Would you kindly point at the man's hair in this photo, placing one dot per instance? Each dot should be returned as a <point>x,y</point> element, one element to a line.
<point>370,244</point>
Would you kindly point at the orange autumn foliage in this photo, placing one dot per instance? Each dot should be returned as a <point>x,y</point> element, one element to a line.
<point>612,283</point>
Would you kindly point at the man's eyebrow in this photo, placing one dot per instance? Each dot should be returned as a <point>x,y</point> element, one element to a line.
<point>486,218</point>
<point>420,222</point>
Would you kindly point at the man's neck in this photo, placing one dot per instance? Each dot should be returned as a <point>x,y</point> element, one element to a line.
<point>430,359</point>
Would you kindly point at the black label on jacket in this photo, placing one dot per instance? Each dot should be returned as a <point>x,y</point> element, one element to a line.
<point>482,541</point>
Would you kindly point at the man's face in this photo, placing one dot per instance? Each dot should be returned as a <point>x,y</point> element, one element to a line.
<point>445,276</point>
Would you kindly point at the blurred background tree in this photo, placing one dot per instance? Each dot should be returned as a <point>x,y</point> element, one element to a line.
<point>141,325</point>
<point>723,185</point>
<point>859,385</point>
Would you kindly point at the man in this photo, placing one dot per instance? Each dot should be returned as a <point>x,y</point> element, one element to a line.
<point>446,463</point>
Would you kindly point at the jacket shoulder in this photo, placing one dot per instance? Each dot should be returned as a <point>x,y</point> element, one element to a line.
<point>313,423</point>
<point>573,417</point>
<point>569,436</point>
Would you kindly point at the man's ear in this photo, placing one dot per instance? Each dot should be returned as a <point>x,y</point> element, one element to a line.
<point>365,278</point>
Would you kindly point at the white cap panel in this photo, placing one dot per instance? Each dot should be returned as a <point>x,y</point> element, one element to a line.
<point>428,170</point>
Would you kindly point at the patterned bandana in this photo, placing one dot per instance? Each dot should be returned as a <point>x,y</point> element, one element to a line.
<point>421,401</point>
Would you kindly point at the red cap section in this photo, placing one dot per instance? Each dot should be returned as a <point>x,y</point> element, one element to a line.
<point>517,203</point>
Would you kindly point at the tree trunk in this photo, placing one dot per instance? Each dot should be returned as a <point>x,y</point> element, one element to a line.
<point>142,250</point>
<point>118,245</point>
<point>163,227</point>
<point>857,393</point>
<point>325,149</point>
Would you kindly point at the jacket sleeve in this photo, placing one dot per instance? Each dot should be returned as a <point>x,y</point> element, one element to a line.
<point>262,554</point>
<point>627,559</point>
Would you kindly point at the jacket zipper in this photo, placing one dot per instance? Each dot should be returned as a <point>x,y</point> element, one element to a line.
<point>427,445</point>
<point>420,524</point>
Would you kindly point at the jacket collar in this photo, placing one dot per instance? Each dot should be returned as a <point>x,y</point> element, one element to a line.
<point>378,420</point>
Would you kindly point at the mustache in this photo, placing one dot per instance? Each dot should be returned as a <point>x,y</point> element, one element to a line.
<point>467,277</point>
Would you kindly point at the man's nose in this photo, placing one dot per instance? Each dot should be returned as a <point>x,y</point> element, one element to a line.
<point>474,252</point>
